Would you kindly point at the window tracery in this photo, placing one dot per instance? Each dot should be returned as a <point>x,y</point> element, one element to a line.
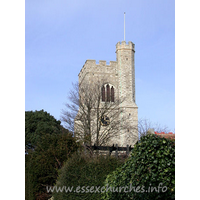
<point>108,93</point>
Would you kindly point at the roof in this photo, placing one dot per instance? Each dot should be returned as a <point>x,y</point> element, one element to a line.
<point>169,135</point>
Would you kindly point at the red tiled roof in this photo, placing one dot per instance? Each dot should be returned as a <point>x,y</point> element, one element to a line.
<point>169,135</point>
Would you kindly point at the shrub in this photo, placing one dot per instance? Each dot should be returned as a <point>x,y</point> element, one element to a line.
<point>48,146</point>
<point>151,164</point>
<point>43,163</point>
<point>84,172</point>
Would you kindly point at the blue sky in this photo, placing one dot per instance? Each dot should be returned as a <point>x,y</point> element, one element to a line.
<point>61,35</point>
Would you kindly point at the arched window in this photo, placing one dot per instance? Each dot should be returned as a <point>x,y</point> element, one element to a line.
<point>103,93</point>
<point>108,93</point>
<point>112,94</point>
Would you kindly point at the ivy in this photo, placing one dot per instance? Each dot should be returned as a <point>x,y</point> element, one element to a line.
<point>151,164</point>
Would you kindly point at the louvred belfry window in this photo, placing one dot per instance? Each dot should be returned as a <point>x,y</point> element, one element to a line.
<point>103,93</point>
<point>108,93</point>
<point>112,94</point>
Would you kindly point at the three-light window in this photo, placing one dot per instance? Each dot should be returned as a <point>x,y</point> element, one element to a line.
<point>108,93</point>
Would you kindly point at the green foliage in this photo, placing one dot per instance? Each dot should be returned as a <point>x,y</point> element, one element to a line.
<point>84,171</point>
<point>38,123</point>
<point>152,164</point>
<point>48,156</point>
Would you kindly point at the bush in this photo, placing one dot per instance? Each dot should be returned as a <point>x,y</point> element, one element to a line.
<point>152,164</point>
<point>84,172</point>
<point>43,163</point>
<point>48,146</point>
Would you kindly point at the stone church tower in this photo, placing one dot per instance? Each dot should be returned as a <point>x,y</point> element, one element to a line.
<point>118,82</point>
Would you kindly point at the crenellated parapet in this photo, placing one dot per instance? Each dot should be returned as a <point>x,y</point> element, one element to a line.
<point>92,66</point>
<point>125,46</point>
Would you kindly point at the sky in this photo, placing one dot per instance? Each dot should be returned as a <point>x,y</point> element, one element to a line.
<point>47,42</point>
<point>60,35</point>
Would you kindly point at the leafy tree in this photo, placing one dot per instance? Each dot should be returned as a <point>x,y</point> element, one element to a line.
<point>53,145</point>
<point>38,123</point>
<point>151,165</point>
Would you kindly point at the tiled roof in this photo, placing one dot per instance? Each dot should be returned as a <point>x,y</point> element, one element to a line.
<point>169,135</point>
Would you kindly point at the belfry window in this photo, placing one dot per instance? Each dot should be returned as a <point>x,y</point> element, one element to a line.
<point>107,93</point>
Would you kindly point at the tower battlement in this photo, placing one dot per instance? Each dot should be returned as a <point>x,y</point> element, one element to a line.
<point>100,63</point>
<point>92,66</point>
<point>124,45</point>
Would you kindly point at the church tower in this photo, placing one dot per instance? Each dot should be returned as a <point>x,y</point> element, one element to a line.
<point>117,80</point>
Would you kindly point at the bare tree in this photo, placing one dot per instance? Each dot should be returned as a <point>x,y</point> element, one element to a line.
<point>71,109</point>
<point>145,126</point>
<point>92,120</point>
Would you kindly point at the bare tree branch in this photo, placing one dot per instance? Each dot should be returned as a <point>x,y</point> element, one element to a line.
<point>83,116</point>
<point>144,125</point>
